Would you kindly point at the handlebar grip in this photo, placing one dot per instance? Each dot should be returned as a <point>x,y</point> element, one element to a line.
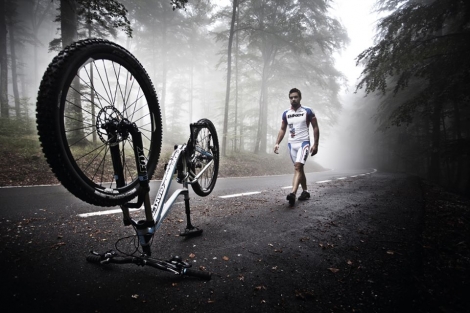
<point>199,274</point>
<point>93,258</point>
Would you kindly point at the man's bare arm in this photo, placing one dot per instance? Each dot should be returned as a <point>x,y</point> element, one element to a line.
<point>316,136</point>
<point>280,136</point>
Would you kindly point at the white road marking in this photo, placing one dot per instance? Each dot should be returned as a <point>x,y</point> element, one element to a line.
<point>323,181</point>
<point>107,212</point>
<point>115,211</point>
<point>240,194</point>
<point>29,186</point>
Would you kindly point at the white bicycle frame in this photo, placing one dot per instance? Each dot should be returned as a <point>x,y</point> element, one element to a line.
<point>156,213</point>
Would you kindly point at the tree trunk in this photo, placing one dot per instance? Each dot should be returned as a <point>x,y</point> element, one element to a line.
<point>14,75</point>
<point>237,52</point>
<point>434,167</point>
<point>261,138</point>
<point>92,91</point>
<point>229,75</point>
<point>36,19</point>
<point>4,107</point>
<point>68,21</point>
<point>68,26</point>
<point>191,77</point>
<point>164,77</point>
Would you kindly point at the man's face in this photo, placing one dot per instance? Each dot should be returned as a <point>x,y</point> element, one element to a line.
<point>294,99</point>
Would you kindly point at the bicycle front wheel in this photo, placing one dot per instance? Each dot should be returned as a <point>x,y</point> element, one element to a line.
<point>89,85</point>
<point>205,157</point>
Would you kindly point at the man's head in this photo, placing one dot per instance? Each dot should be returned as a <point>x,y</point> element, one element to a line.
<point>295,96</point>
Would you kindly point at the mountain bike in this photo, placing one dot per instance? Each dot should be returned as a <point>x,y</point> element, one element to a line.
<point>100,127</point>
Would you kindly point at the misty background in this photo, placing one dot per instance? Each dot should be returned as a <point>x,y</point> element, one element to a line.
<point>403,107</point>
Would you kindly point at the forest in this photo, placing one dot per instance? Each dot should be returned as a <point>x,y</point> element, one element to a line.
<point>234,62</point>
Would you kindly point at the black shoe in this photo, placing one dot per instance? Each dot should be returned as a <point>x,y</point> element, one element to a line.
<point>304,195</point>
<point>291,198</point>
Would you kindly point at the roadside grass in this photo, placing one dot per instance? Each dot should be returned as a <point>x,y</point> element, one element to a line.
<point>22,163</point>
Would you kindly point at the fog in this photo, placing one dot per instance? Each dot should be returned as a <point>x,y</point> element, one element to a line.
<point>190,76</point>
<point>344,147</point>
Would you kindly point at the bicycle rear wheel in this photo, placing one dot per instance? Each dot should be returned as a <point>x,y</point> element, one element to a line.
<point>206,141</point>
<point>87,86</point>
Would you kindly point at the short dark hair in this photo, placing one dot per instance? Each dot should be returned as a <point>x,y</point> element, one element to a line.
<point>297,91</point>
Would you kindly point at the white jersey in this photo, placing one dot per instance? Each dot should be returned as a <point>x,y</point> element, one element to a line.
<point>298,123</point>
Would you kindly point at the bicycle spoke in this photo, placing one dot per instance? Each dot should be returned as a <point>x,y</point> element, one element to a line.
<point>79,140</point>
<point>109,86</point>
<point>92,88</point>
<point>103,84</point>
<point>118,85</point>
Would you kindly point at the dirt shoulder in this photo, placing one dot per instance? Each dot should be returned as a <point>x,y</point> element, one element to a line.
<point>31,168</point>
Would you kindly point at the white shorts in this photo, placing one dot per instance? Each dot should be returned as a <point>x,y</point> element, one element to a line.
<point>299,151</point>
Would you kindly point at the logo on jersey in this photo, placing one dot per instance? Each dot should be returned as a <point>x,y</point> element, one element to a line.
<point>292,130</point>
<point>295,115</point>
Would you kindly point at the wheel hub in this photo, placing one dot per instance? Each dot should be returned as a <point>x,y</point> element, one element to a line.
<point>108,124</point>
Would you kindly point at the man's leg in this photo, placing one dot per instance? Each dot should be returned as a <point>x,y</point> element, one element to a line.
<point>303,182</point>
<point>299,178</point>
<point>303,179</point>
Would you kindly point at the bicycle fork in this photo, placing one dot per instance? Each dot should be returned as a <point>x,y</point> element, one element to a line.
<point>154,214</point>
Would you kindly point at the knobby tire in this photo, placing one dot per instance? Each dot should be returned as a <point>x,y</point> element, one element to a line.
<point>88,84</point>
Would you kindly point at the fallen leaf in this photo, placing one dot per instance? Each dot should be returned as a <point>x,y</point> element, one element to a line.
<point>225,258</point>
<point>390,252</point>
<point>192,255</point>
<point>333,270</point>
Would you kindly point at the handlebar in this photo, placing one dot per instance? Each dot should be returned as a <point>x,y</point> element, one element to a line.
<point>175,266</point>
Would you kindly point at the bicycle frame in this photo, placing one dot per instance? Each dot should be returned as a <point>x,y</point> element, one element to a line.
<point>156,213</point>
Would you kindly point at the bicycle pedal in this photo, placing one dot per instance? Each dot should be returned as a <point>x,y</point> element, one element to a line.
<point>191,232</point>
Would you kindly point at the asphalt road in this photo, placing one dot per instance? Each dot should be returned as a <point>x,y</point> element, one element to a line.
<point>264,255</point>
<point>17,202</point>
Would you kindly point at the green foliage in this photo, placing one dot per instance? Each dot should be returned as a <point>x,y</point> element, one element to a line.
<point>178,4</point>
<point>27,145</point>
<point>421,66</point>
<point>424,41</point>
<point>106,15</point>
<point>97,18</point>
<point>11,127</point>
<point>418,40</point>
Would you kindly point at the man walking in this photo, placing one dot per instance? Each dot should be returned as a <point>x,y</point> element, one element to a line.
<point>298,119</point>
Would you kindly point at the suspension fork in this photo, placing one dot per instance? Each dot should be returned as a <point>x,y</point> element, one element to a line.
<point>146,228</point>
